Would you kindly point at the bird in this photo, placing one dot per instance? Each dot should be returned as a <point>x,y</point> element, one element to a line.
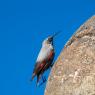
<point>45,58</point>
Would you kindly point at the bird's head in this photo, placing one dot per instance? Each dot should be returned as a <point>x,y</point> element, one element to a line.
<point>49,40</point>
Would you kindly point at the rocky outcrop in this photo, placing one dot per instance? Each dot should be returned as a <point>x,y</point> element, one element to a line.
<point>74,71</point>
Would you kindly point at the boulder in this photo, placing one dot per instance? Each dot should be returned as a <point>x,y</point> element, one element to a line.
<point>74,71</point>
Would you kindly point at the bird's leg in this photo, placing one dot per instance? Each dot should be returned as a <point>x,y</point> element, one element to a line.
<point>42,70</point>
<point>51,65</point>
<point>44,79</point>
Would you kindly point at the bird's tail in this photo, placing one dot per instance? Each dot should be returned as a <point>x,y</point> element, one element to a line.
<point>33,75</point>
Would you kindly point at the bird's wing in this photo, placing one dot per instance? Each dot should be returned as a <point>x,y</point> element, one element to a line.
<point>45,54</point>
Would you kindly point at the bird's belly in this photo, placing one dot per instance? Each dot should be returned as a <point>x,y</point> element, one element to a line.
<point>43,55</point>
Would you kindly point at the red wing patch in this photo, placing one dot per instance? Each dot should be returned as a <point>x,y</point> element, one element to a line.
<point>51,55</point>
<point>42,64</point>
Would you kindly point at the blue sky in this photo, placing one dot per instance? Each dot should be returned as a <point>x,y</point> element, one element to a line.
<point>23,26</point>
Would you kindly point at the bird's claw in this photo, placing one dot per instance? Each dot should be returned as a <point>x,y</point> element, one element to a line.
<point>44,79</point>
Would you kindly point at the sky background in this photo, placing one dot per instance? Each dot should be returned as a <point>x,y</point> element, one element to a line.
<point>24,24</point>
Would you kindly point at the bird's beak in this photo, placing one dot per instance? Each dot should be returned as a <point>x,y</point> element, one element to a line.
<point>53,36</point>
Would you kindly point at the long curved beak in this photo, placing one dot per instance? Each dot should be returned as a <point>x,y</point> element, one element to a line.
<point>53,36</point>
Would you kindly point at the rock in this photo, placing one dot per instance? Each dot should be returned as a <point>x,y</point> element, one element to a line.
<point>74,71</point>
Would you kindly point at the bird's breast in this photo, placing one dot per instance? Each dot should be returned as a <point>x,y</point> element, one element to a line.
<point>45,53</point>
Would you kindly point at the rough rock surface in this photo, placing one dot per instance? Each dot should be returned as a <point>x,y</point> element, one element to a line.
<point>74,71</point>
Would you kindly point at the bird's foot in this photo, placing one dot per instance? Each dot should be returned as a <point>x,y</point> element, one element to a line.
<point>43,81</point>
